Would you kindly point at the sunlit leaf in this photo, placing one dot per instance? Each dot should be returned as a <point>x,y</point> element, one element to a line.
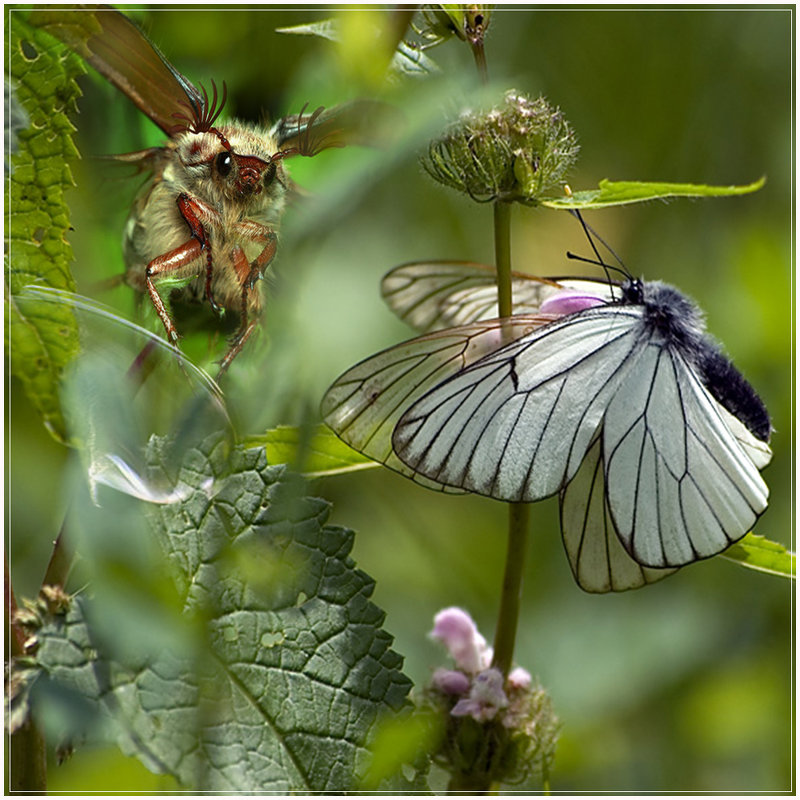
<point>324,28</point>
<point>761,554</point>
<point>315,453</point>
<point>617,193</point>
<point>291,668</point>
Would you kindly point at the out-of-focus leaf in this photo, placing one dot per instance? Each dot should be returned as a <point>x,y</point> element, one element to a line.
<point>324,28</point>
<point>617,193</point>
<point>282,693</point>
<point>321,452</point>
<point>41,84</point>
<point>761,554</point>
<point>410,61</point>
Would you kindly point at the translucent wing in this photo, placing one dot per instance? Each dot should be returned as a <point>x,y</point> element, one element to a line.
<point>121,53</point>
<point>680,486</point>
<point>598,560</point>
<point>431,295</point>
<point>365,403</point>
<point>517,424</point>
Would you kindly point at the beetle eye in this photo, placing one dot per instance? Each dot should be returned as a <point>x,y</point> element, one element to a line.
<point>269,173</point>
<point>224,163</point>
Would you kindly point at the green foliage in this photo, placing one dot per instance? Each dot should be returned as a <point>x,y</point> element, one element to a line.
<point>287,668</point>
<point>618,193</point>
<point>42,91</point>
<point>314,453</point>
<point>763,555</point>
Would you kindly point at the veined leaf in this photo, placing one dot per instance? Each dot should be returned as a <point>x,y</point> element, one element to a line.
<point>41,89</point>
<point>617,193</point>
<point>761,554</point>
<point>291,669</point>
<point>315,453</point>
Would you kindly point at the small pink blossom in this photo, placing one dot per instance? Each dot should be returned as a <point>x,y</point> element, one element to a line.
<point>485,699</point>
<point>519,678</point>
<point>459,634</point>
<point>450,681</point>
<point>568,301</point>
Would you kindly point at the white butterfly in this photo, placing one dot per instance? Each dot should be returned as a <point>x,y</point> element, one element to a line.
<point>627,410</point>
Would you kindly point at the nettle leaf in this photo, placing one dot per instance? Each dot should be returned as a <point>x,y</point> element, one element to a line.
<point>762,554</point>
<point>617,193</point>
<point>292,669</point>
<point>40,89</point>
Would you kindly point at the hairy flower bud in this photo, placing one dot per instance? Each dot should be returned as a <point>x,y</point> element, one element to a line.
<point>514,153</point>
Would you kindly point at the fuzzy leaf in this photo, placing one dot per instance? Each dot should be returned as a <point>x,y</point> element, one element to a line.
<point>763,555</point>
<point>617,193</point>
<point>282,688</point>
<point>40,90</point>
<point>316,453</point>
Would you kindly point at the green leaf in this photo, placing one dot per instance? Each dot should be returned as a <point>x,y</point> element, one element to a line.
<point>41,90</point>
<point>315,453</point>
<point>324,28</point>
<point>290,667</point>
<point>616,193</point>
<point>761,554</point>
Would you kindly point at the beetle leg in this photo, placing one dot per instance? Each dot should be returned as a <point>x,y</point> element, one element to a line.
<point>248,274</point>
<point>169,262</point>
<point>243,269</point>
<point>192,210</point>
<point>260,234</point>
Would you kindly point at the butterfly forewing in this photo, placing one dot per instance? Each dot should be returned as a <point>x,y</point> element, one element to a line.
<point>440,294</point>
<point>517,424</point>
<point>598,560</point>
<point>364,404</point>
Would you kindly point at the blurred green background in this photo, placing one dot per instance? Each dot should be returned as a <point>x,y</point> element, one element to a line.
<point>682,686</point>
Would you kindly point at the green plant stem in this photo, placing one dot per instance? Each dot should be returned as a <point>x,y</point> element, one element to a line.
<point>502,256</point>
<point>508,616</point>
<point>518,513</point>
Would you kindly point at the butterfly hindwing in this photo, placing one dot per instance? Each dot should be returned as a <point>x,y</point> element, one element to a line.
<point>680,485</point>
<point>434,295</point>
<point>598,560</point>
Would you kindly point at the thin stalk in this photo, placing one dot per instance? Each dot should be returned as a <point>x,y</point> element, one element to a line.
<point>518,513</point>
<point>502,256</point>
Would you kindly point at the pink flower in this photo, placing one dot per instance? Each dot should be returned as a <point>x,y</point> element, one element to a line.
<point>519,678</point>
<point>459,634</point>
<point>568,301</point>
<point>450,681</point>
<point>485,699</point>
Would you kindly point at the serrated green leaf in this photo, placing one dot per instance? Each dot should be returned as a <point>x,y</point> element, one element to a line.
<point>762,554</point>
<point>294,668</point>
<point>42,89</point>
<point>616,193</point>
<point>315,453</point>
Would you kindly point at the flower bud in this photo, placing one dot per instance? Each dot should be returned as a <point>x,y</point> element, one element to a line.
<point>514,153</point>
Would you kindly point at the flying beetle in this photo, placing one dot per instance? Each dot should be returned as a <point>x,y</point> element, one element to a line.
<point>203,228</point>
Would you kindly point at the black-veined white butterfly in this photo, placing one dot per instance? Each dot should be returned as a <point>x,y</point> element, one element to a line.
<point>625,409</point>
